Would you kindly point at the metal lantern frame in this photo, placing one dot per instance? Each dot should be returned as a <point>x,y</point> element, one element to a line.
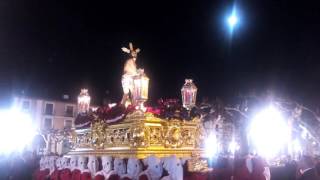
<point>84,101</point>
<point>189,94</point>
<point>140,88</point>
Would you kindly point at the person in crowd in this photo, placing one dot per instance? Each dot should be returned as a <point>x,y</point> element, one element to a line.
<point>251,168</point>
<point>290,170</point>
<point>307,169</point>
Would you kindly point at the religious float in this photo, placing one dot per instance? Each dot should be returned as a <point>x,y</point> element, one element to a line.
<point>122,136</point>
<point>132,140</point>
<point>133,130</point>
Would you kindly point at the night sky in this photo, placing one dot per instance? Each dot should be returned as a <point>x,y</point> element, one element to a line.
<point>49,48</point>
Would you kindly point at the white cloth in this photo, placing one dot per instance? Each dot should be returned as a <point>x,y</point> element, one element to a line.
<point>127,83</point>
<point>174,167</point>
<point>249,164</point>
<point>267,173</point>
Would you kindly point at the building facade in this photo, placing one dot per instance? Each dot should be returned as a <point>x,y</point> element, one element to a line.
<point>48,114</point>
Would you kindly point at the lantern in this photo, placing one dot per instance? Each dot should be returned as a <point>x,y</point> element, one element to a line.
<point>140,88</point>
<point>189,94</point>
<point>83,101</point>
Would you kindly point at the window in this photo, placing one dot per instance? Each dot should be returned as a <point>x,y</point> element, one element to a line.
<point>25,105</point>
<point>69,111</point>
<point>67,124</point>
<point>49,109</point>
<point>47,123</point>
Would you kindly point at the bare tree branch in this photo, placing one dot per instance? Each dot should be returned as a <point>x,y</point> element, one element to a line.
<point>237,110</point>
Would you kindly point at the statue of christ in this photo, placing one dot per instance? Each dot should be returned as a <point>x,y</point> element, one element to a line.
<point>129,71</point>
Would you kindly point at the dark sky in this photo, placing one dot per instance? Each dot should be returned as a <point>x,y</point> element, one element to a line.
<point>49,47</point>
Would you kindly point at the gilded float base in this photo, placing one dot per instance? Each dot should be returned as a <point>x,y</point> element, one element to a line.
<point>140,135</point>
<point>139,153</point>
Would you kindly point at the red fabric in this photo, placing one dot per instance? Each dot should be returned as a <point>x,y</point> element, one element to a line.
<point>126,178</point>
<point>55,175</point>
<point>85,176</point>
<point>76,174</point>
<point>144,177</point>
<point>36,174</point>
<point>65,174</point>
<point>153,110</point>
<point>258,168</point>
<point>197,176</point>
<point>41,174</point>
<point>241,171</point>
<point>99,177</point>
<point>114,177</point>
<point>223,174</point>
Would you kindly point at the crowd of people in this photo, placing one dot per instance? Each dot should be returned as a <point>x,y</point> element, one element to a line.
<point>27,166</point>
<point>18,166</point>
<point>306,168</point>
<point>256,168</point>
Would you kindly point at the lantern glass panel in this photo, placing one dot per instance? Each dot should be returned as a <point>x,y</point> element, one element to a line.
<point>83,101</point>
<point>189,94</point>
<point>141,85</point>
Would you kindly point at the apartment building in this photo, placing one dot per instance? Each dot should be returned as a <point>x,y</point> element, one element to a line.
<point>48,114</point>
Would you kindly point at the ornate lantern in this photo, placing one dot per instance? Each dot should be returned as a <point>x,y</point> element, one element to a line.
<point>83,101</point>
<point>140,88</point>
<point>189,94</point>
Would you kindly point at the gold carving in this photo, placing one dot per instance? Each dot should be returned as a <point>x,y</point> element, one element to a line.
<point>98,134</point>
<point>196,164</point>
<point>139,135</point>
<point>173,137</point>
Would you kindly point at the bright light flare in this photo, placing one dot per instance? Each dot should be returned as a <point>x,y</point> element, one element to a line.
<point>269,132</point>
<point>211,146</point>
<point>16,131</point>
<point>233,19</point>
<point>233,147</point>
